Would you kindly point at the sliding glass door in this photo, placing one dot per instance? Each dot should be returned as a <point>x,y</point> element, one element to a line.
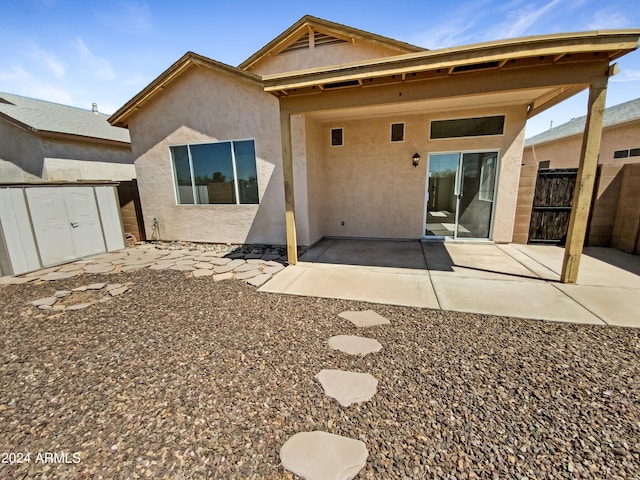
<point>460,194</point>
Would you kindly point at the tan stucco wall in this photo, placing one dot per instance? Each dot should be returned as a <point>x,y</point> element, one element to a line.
<point>25,156</point>
<point>21,156</point>
<point>320,56</point>
<point>371,185</point>
<point>565,152</point>
<point>205,105</point>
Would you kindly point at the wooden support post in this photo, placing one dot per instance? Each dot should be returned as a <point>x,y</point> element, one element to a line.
<point>287,173</point>
<point>585,180</point>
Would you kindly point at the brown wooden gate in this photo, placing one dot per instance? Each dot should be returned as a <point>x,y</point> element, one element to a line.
<point>552,205</point>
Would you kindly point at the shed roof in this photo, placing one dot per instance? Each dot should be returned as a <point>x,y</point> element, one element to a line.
<point>40,116</point>
<point>618,114</point>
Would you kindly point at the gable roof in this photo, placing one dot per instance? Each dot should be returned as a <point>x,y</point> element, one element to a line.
<point>42,117</point>
<point>618,114</point>
<point>188,60</point>
<point>329,32</point>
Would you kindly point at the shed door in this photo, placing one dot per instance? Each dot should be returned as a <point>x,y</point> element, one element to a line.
<point>66,223</point>
<point>84,220</point>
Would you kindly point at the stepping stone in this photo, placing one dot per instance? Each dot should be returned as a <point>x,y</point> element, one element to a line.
<point>96,286</point>
<point>78,306</point>
<point>347,387</point>
<point>203,272</point>
<point>254,256</point>
<point>272,270</point>
<point>354,345</point>
<point>211,254</point>
<point>118,290</point>
<point>162,265</point>
<point>259,280</point>
<point>72,267</point>
<point>219,261</point>
<point>44,271</point>
<point>44,301</point>
<point>16,280</point>
<point>247,275</point>
<point>235,263</point>
<point>255,261</point>
<point>62,293</point>
<point>235,255</point>
<point>268,257</point>
<point>185,262</point>
<point>45,307</point>
<point>247,267</point>
<point>58,275</point>
<point>323,456</point>
<point>183,268</point>
<point>223,276</point>
<point>80,289</point>
<point>271,263</point>
<point>133,268</point>
<point>203,266</point>
<point>366,318</point>
<point>223,268</point>
<point>99,268</point>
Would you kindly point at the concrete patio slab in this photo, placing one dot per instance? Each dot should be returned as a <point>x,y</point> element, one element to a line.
<point>355,283</point>
<point>616,306</point>
<point>535,300</point>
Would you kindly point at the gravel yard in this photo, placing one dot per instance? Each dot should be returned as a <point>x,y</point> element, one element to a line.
<point>187,378</point>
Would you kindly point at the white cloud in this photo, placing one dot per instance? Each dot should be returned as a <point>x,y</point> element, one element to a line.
<point>101,67</point>
<point>627,76</point>
<point>522,20</point>
<point>128,16</point>
<point>607,19</point>
<point>14,74</point>
<point>51,62</point>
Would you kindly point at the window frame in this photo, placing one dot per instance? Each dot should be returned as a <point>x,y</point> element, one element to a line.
<point>191,172</point>
<point>391,132</point>
<point>341,137</point>
<point>491,135</point>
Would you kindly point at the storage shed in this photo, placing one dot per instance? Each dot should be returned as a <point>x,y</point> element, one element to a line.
<point>46,224</point>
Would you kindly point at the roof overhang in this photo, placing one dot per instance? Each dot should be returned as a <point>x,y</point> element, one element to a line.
<point>308,22</point>
<point>551,58</point>
<point>187,61</point>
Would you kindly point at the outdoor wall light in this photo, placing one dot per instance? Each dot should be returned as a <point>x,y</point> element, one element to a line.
<point>416,159</point>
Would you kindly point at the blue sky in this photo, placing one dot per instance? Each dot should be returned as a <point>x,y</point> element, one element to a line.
<point>77,52</point>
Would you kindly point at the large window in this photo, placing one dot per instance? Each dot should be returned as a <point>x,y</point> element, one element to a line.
<point>215,173</point>
<point>467,127</point>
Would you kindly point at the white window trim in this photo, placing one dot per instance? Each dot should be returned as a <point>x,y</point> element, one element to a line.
<point>235,174</point>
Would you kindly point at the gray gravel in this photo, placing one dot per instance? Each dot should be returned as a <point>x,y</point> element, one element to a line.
<point>189,378</point>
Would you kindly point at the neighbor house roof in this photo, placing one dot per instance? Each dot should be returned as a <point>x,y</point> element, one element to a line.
<point>42,117</point>
<point>332,30</point>
<point>618,114</point>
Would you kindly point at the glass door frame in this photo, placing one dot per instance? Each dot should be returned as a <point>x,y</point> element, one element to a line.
<point>457,186</point>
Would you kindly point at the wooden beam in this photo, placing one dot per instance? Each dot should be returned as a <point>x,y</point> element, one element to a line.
<point>287,173</point>
<point>585,180</point>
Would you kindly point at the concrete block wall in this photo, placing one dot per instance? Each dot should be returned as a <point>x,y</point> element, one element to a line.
<point>626,229</point>
<point>524,206</point>
<point>605,206</point>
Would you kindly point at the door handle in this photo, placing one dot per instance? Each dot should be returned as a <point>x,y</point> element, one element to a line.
<point>74,224</point>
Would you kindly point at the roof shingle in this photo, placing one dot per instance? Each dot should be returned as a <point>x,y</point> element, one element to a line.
<point>43,116</point>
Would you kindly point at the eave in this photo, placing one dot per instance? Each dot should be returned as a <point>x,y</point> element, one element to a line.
<point>528,52</point>
<point>188,60</point>
<point>286,38</point>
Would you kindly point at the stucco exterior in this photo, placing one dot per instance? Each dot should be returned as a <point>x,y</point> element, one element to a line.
<point>208,106</point>
<point>320,56</point>
<point>288,96</point>
<point>565,152</point>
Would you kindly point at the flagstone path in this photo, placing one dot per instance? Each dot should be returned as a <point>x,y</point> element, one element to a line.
<point>255,267</point>
<point>321,455</point>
